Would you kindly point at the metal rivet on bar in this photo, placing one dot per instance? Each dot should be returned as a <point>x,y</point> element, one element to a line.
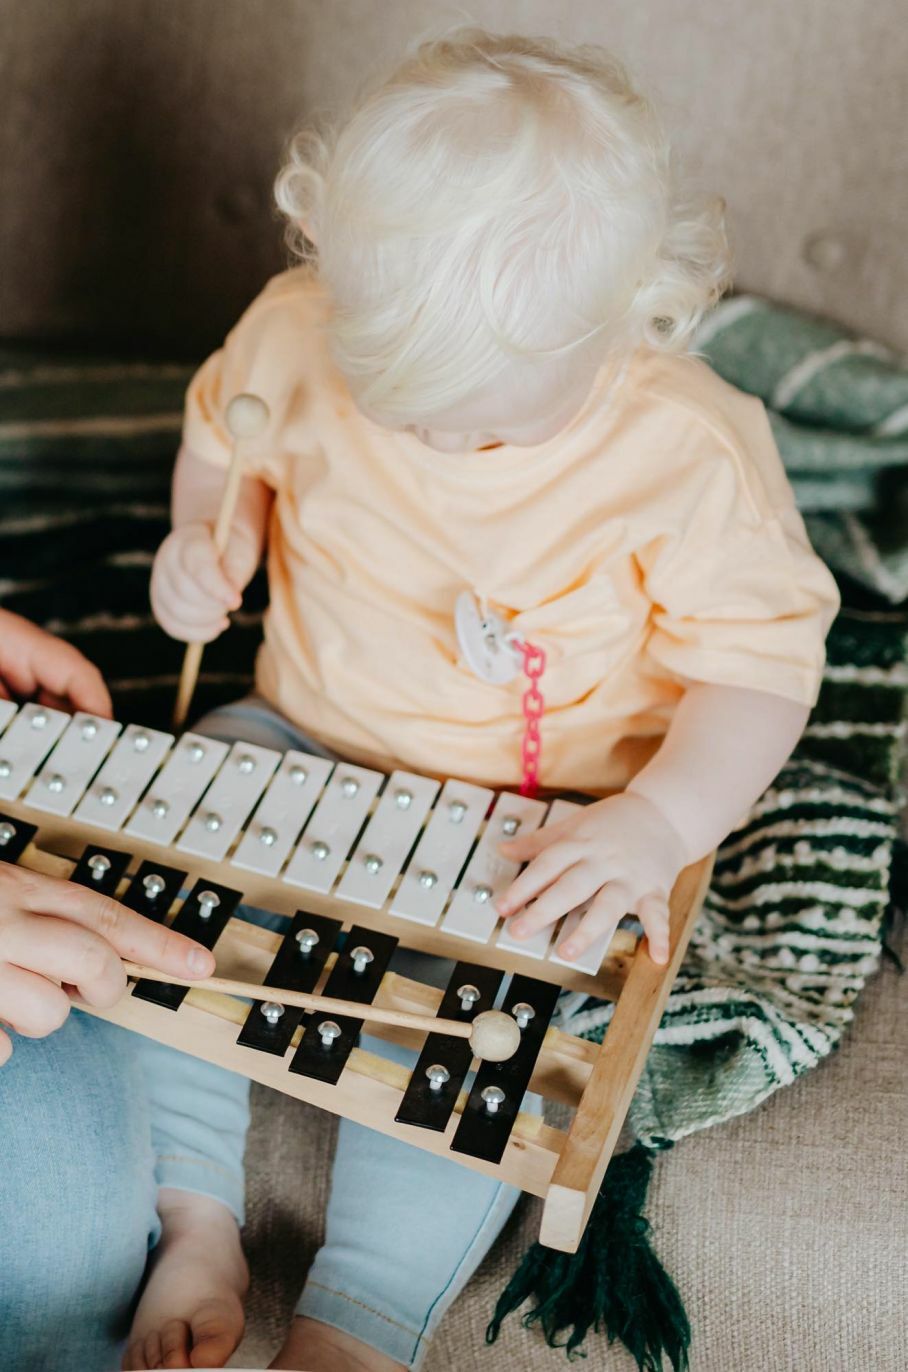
<point>493,1097</point>
<point>469,995</point>
<point>99,865</point>
<point>361,959</point>
<point>307,939</point>
<point>523,1013</point>
<point>438,1075</point>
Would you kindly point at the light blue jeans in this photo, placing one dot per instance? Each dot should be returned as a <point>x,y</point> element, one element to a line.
<point>93,1120</point>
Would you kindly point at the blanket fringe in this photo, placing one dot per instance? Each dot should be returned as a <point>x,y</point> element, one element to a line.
<point>613,1284</point>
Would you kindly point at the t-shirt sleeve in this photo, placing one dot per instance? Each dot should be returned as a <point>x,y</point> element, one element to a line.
<point>739,598</point>
<point>262,355</point>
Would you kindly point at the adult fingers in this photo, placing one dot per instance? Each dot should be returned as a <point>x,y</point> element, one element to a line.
<point>542,871</point>
<point>652,912</point>
<point>569,891</point>
<point>600,921</point>
<point>31,1004</point>
<point>64,952</point>
<point>131,935</point>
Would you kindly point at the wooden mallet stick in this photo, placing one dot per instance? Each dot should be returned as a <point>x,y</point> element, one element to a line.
<point>247,418</point>
<point>494,1036</point>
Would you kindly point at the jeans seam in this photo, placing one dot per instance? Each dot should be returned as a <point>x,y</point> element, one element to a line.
<point>421,1337</point>
<point>353,1300</point>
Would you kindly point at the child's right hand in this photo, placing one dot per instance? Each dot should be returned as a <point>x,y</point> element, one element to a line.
<point>192,588</point>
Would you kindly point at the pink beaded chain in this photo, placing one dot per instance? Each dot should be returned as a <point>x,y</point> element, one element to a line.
<point>533,708</point>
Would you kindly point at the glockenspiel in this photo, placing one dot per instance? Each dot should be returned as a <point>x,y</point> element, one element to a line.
<point>185,830</point>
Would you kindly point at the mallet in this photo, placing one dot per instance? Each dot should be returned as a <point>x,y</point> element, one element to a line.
<point>494,1036</point>
<point>246,418</point>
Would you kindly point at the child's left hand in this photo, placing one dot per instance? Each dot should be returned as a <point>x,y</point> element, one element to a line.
<point>621,853</point>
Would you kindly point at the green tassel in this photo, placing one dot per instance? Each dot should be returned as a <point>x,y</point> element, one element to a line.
<point>613,1284</point>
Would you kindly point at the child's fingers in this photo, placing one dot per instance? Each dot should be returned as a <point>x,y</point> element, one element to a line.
<point>601,920</point>
<point>652,912</point>
<point>541,872</point>
<point>569,891</point>
<point>200,561</point>
<point>525,847</point>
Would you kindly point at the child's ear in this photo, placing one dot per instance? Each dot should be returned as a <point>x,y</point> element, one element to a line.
<point>306,228</point>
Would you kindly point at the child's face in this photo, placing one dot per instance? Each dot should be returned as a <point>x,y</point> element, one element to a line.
<point>528,405</point>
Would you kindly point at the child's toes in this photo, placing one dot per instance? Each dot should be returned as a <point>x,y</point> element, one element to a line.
<point>217,1327</point>
<point>175,1345</point>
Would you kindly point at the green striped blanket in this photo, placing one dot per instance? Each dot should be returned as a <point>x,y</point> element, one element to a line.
<point>792,924</point>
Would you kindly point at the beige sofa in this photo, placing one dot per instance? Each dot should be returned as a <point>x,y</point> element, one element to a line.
<point>138,139</point>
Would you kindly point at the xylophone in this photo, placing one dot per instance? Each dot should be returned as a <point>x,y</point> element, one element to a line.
<point>359,861</point>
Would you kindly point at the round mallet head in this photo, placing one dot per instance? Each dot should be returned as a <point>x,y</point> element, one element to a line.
<point>495,1036</point>
<point>247,416</point>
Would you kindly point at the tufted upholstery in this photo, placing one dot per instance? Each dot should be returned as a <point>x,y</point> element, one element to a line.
<point>140,138</point>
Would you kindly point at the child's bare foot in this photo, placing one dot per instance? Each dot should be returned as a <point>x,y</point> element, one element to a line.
<point>191,1311</point>
<point>311,1346</point>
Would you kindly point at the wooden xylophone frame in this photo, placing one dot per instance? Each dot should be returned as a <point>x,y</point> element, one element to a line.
<point>564,1167</point>
<point>78,791</point>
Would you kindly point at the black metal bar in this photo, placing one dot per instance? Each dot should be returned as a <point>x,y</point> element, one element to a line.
<point>15,836</point>
<point>101,869</point>
<point>326,1061</point>
<point>199,919</point>
<point>153,890</point>
<point>430,1107</point>
<point>484,1132</point>
<point>297,966</point>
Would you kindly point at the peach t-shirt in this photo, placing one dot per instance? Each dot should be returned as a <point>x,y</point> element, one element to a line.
<point>653,542</point>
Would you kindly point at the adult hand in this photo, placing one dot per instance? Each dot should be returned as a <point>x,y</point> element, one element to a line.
<point>34,664</point>
<point>58,939</point>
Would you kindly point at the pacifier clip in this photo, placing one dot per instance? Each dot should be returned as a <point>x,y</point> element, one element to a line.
<point>496,654</point>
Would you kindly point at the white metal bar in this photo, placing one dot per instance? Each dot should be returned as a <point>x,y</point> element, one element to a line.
<point>387,839</point>
<point>112,797</point>
<point>177,789</point>
<point>332,830</point>
<point>472,913</point>
<point>229,801</point>
<point>441,852</point>
<point>67,773</point>
<point>282,813</point>
<point>25,744</point>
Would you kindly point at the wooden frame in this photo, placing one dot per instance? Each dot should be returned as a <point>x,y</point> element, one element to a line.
<point>564,1167</point>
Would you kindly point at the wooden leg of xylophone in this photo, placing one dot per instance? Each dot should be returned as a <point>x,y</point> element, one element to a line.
<point>595,1128</point>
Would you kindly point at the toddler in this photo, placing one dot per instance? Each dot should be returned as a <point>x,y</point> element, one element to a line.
<point>485,431</point>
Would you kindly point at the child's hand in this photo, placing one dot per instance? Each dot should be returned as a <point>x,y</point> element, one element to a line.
<point>192,588</point>
<point>619,852</point>
<point>34,664</point>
